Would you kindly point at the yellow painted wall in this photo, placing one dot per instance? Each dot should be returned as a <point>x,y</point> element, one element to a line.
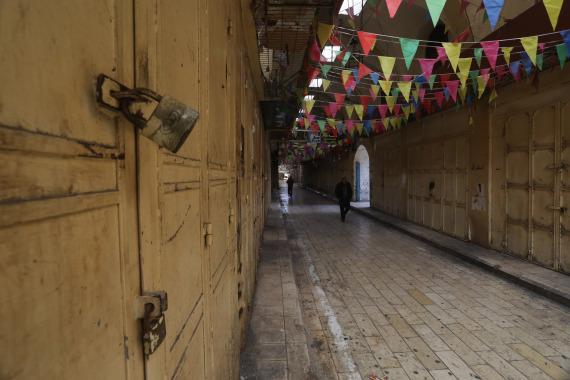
<point>93,214</point>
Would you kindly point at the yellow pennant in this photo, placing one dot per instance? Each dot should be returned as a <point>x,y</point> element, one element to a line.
<point>309,105</point>
<point>375,89</point>
<point>359,108</point>
<point>387,64</point>
<point>345,75</point>
<point>359,127</point>
<point>386,86</point>
<point>349,110</point>
<point>406,110</point>
<point>452,49</point>
<point>464,65</point>
<point>324,33</point>
<point>507,53</point>
<point>553,10</point>
<point>405,88</point>
<point>481,84</point>
<point>530,44</point>
<point>462,92</point>
<point>326,84</point>
<point>332,122</point>
<point>390,101</point>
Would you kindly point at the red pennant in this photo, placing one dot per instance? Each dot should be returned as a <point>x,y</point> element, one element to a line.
<point>367,40</point>
<point>334,40</point>
<point>363,71</point>
<point>328,111</point>
<point>333,108</point>
<point>312,73</point>
<point>427,106</point>
<point>339,99</point>
<point>364,100</point>
<point>452,86</point>
<point>462,36</point>
<point>482,6</point>
<point>315,52</point>
<point>315,128</point>
<point>396,109</point>
<point>491,82</point>
<point>439,99</point>
<point>444,78</point>
<point>340,57</point>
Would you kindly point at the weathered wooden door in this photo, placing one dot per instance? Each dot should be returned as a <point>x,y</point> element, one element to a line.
<point>537,183</point>
<point>68,227</point>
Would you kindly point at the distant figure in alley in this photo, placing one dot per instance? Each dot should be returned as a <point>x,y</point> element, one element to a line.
<point>290,186</point>
<point>343,192</point>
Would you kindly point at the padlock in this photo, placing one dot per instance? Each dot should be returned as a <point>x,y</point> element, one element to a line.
<point>170,123</point>
<point>154,330</point>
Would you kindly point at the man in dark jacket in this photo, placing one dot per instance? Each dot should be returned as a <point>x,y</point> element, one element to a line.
<point>290,185</point>
<point>343,192</point>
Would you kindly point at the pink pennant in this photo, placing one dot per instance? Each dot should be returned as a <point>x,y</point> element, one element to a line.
<point>315,52</point>
<point>310,118</point>
<point>501,71</point>
<point>367,40</point>
<point>439,99</point>
<point>364,100</point>
<point>491,48</point>
<point>378,126</point>
<point>349,124</point>
<point>407,78</point>
<point>393,6</point>
<point>441,54</point>
<point>485,74</point>
<point>396,109</point>
<point>363,71</point>
<point>452,86</point>
<point>422,92</point>
<point>427,67</point>
<point>350,12</point>
<point>383,109</point>
<point>334,108</point>
<point>339,99</point>
<point>353,85</point>
<point>541,46</point>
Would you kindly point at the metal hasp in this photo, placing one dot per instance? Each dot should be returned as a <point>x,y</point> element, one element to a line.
<point>150,308</point>
<point>169,124</point>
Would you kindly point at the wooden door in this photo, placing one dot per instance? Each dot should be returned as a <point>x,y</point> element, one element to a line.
<point>68,226</point>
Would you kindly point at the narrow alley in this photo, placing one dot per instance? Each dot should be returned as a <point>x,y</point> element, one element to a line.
<point>347,300</point>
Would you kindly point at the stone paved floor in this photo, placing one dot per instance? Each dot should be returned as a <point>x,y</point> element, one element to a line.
<point>376,301</point>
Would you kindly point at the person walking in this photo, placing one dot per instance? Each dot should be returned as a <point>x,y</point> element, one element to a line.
<point>290,186</point>
<point>343,192</point>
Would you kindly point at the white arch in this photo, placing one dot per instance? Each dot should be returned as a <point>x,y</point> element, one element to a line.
<point>362,179</point>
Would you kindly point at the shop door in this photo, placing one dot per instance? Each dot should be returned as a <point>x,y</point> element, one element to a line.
<point>358,181</point>
<point>68,212</point>
<point>537,200</point>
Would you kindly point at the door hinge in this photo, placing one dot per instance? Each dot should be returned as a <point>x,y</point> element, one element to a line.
<point>208,233</point>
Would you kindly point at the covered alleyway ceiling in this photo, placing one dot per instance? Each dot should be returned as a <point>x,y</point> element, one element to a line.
<point>336,85</point>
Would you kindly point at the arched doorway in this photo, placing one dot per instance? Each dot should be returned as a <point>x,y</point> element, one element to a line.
<point>362,174</point>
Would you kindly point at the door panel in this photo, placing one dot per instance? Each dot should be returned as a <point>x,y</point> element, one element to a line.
<point>68,239</point>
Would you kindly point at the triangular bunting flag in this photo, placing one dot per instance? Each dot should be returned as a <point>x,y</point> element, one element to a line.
<point>427,67</point>
<point>386,85</point>
<point>427,106</point>
<point>326,84</point>
<point>397,109</point>
<point>435,7</point>
<point>364,100</point>
<point>553,10</point>
<point>464,65</point>
<point>409,48</point>
<point>432,81</point>
<point>359,110</point>
<point>334,108</point>
<point>452,86</point>
<point>491,49</point>
<point>362,71</point>
<point>507,53</point>
<point>383,109</point>
<point>322,125</point>
<point>562,54</point>
<point>387,64</point>
<point>474,74</point>
<point>478,53</point>
<point>324,31</point>
<point>309,105</point>
<point>566,37</point>
<point>439,99</point>
<point>481,83</point>
<point>422,92</point>
<point>493,8</point>
<point>339,99</point>
<point>325,69</point>
<point>530,45</point>
<point>393,6</point>
<point>494,96</point>
<point>527,63</point>
<point>374,77</point>
<point>390,102</point>
<point>374,91</point>
<point>452,50</point>
<point>405,87</point>
<point>328,111</point>
<point>462,92</point>
<point>315,54</point>
<point>349,110</point>
<point>367,41</point>
<point>441,54</point>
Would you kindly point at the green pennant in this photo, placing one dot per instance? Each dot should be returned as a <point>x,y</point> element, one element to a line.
<point>395,92</point>
<point>485,17</point>
<point>431,81</point>
<point>322,125</point>
<point>474,74</point>
<point>409,48</point>
<point>478,54</point>
<point>562,54</point>
<point>325,69</point>
<point>345,59</point>
<point>539,60</point>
